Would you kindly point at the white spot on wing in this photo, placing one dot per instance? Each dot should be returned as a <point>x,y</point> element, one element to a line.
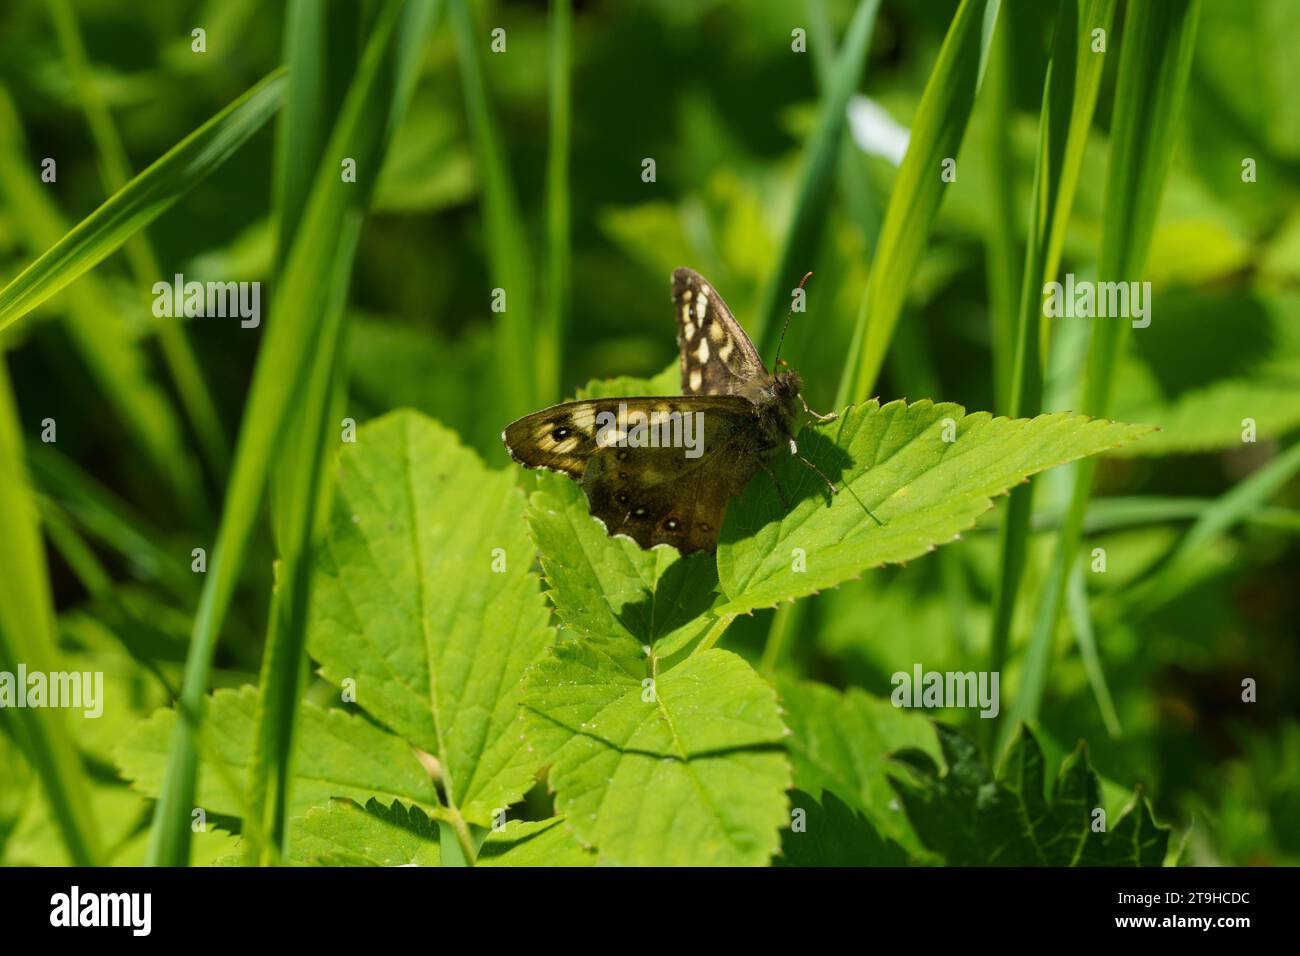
<point>702,355</point>
<point>696,379</point>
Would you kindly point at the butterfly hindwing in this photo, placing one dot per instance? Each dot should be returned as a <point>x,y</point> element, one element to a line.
<point>717,357</point>
<point>654,495</point>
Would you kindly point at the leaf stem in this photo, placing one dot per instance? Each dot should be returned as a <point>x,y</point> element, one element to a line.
<point>715,632</point>
<point>785,622</point>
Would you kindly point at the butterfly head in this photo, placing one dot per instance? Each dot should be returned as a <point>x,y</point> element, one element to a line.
<point>786,385</point>
<point>777,399</point>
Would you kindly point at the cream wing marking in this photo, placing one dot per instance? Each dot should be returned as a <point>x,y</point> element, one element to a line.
<point>716,356</point>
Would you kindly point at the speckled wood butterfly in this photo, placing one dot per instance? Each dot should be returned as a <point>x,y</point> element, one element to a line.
<point>661,470</point>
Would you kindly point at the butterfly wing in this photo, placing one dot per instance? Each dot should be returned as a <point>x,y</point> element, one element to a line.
<point>717,357</point>
<point>653,495</point>
<point>561,438</point>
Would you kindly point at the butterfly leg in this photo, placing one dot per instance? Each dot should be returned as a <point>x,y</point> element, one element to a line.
<point>821,418</point>
<point>785,502</point>
<point>830,485</point>
<point>833,490</point>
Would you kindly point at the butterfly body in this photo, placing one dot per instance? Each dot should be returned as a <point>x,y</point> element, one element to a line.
<point>662,469</point>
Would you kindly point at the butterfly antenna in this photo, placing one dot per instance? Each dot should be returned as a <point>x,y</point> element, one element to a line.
<point>781,341</point>
<point>831,485</point>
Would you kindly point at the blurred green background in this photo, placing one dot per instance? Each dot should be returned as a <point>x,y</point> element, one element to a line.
<point>714,94</point>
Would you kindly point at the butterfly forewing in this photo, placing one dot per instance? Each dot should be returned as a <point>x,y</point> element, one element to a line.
<point>654,495</point>
<point>560,438</point>
<point>717,357</point>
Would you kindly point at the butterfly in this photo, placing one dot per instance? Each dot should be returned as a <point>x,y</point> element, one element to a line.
<point>661,470</point>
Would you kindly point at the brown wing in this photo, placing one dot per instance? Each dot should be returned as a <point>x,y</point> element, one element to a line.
<point>560,438</point>
<point>717,357</point>
<point>654,493</point>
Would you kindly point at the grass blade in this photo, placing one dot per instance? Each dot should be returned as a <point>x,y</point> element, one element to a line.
<point>1000,242</point>
<point>118,365</point>
<point>1155,61</point>
<point>111,521</point>
<point>303,486</point>
<point>854,181</point>
<point>1233,508</point>
<point>320,52</point>
<point>936,135</point>
<point>818,171</point>
<point>321,57</point>
<point>507,243</point>
<point>1081,622</point>
<point>142,200</point>
<point>555,307</point>
<point>1069,97</point>
<point>27,636</point>
<point>304,495</point>
<point>115,171</point>
<point>785,625</point>
<point>282,368</point>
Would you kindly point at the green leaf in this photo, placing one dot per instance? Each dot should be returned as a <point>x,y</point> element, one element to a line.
<point>679,767</point>
<point>424,597</point>
<point>925,491</point>
<point>710,724</point>
<point>338,755</point>
<point>975,819</point>
<point>603,586</point>
<point>348,834</point>
<point>609,587</point>
<point>142,200</point>
<point>544,843</point>
<point>37,836</point>
<point>831,833</point>
<point>344,833</point>
<point>840,744</point>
